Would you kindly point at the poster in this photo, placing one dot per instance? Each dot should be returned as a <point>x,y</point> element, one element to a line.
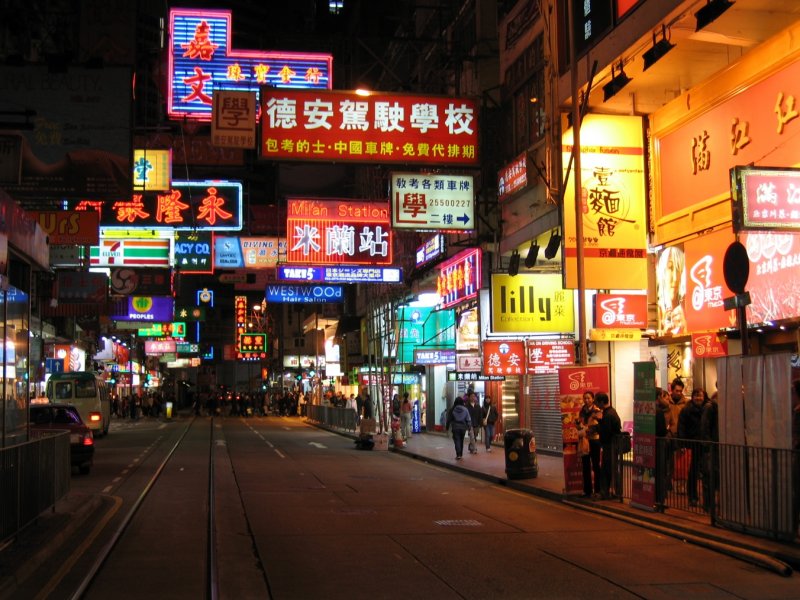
<point>572,383</point>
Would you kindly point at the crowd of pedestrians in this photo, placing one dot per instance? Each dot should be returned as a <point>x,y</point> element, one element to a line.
<point>468,419</point>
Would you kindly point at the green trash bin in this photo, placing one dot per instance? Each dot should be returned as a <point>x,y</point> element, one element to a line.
<point>520,452</point>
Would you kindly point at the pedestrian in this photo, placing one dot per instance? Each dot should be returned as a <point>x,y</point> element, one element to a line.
<point>608,428</point>
<point>359,406</point>
<point>458,421</point>
<point>489,419</point>
<point>677,401</point>
<point>663,441</point>
<point>476,416</point>
<point>405,417</point>
<point>709,433</point>
<point>587,422</point>
<point>690,435</point>
<point>368,408</point>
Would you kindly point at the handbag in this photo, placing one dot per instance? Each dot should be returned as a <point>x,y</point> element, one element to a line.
<point>583,445</point>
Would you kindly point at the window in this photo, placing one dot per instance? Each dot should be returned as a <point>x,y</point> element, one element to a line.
<point>335,6</point>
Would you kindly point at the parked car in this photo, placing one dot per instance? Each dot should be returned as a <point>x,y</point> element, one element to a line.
<point>49,418</point>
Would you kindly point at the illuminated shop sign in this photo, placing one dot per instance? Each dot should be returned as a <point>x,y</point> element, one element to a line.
<point>152,170</point>
<point>233,124</point>
<point>250,345</point>
<point>504,357</point>
<point>193,251</point>
<point>386,128</point>
<point>765,198</point>
<point>212,205</point>
<point>709,345</point>
<point>619,311</point>
<point>201,61</point>
<point>434,357</point>
<point>472,376</point>
<point>69,227</point>
<point>439,202</point>
<point>340,274</point>
<point>512,177</point>
<point>304,294</point>
<point>140,282</point>
<point>190,314</point>
<point>459,277</point>
<point>469,362</point>
<point>173,330</point>
<point>338,231</point>
<point>434,248</point>
<point>614,213</point>
<point>546,356</point>
<point>531,303</point>
<point>592,20</point>
<point>250,252</point>
<point>160,347</point>
<point>151,252</point>
<point>157,309</point>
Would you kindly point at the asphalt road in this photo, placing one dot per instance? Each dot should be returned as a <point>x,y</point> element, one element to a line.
<point>300,513</point>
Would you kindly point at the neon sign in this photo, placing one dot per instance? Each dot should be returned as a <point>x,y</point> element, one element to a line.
<point>212,205</point>
<point>459,277</point>
<point>340,274</point>
<point>201,60</point>
<point>323,125</point>
<point>334,232</point>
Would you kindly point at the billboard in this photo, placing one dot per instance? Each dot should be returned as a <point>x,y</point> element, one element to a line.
<point>304,294</point>
<point>432,202</point>
<point>248,252</point>
<point>765,198</point>
<point>531,303</point>
<point>202,60</point>
<point>340,274</point>
<point>459,277</point>
<point>345,126</point>
<point>325,232</point>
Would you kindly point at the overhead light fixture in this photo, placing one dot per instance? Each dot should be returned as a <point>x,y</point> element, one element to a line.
<point>618,81</point>
<point>513,263</point>
<point>552,246</point>
<point>533,254</point>
<point>659,49</point>
<point>711,12</point>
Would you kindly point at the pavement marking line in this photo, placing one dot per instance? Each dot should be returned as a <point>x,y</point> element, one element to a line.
<point>270,444</point>
<point>78,552</point>
<point>107,489</point>
<point>278,452</point>
<point>116,479</point>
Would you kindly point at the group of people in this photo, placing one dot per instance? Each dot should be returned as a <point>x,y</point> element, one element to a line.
<point>470,418</point>
<point>598,426</point>
<point>686,426</point>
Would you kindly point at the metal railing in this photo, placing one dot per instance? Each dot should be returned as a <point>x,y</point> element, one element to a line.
<point>333,416</point>
<point>33,477</point>
<point>751,489</point>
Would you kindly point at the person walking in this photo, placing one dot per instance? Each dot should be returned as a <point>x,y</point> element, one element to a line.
<point>405,418</point>
<point>489,419</point>
<point>608,428</point>
<point>690,434</point>
<point>458,421</point>
<point>476,416</point>
<point>587,422</point>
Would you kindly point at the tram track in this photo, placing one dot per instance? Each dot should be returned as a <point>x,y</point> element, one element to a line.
<point>179,465</point>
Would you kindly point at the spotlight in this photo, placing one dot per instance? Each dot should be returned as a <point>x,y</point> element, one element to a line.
<point>513,263</point>
<point>711,12</point>
<point>618,81</point>
<point>533,254</point>
<point>552,246</point>
<point>659,49</point>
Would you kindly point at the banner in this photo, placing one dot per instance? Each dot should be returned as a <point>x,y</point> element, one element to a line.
<point>643,489</point>
<point>572,383</point>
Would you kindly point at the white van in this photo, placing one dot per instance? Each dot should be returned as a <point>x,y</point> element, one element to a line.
<point>88,393</point>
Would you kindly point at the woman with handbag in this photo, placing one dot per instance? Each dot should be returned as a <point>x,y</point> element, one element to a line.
<point>489,419</point>
<point>589,445</point>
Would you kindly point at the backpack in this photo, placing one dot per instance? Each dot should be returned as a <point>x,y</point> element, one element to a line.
<point>625,442</point>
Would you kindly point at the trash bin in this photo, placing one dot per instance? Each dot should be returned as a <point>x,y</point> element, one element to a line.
<point>520,450</point>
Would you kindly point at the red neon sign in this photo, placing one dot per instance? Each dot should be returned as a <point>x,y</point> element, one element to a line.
<point>344,126</point>
<point>459,277</point>
<point>506,357</point>
<point>324,232</point>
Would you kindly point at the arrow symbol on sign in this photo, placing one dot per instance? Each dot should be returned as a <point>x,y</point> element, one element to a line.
<point>317,445</point>
<point>464,218</point>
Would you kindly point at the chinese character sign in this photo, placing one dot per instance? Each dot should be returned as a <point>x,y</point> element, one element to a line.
<point>766,198</point>
<point>620,311</point>
<point>193,251</point>
<point>213,205</point>
<point>774,282</point>
<point>344,126</point>
<point>234,122</point>
<point>459,277</point>
<point>202,61</point>
<point>332,231</point>
<point>443,202</point>
<point>512,178</point>
<point>705,283</point>
<point>504,357</point>
<point>546,356</point>
<point>152,170</point>
<point>612,205</point>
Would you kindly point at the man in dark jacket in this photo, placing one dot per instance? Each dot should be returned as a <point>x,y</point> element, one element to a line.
<point>476,416</point>
<point>608,428</point>
<point>458,421</point>
<point>690,433</point>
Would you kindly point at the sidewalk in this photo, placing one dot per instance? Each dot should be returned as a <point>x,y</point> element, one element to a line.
<point>437,448</point>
